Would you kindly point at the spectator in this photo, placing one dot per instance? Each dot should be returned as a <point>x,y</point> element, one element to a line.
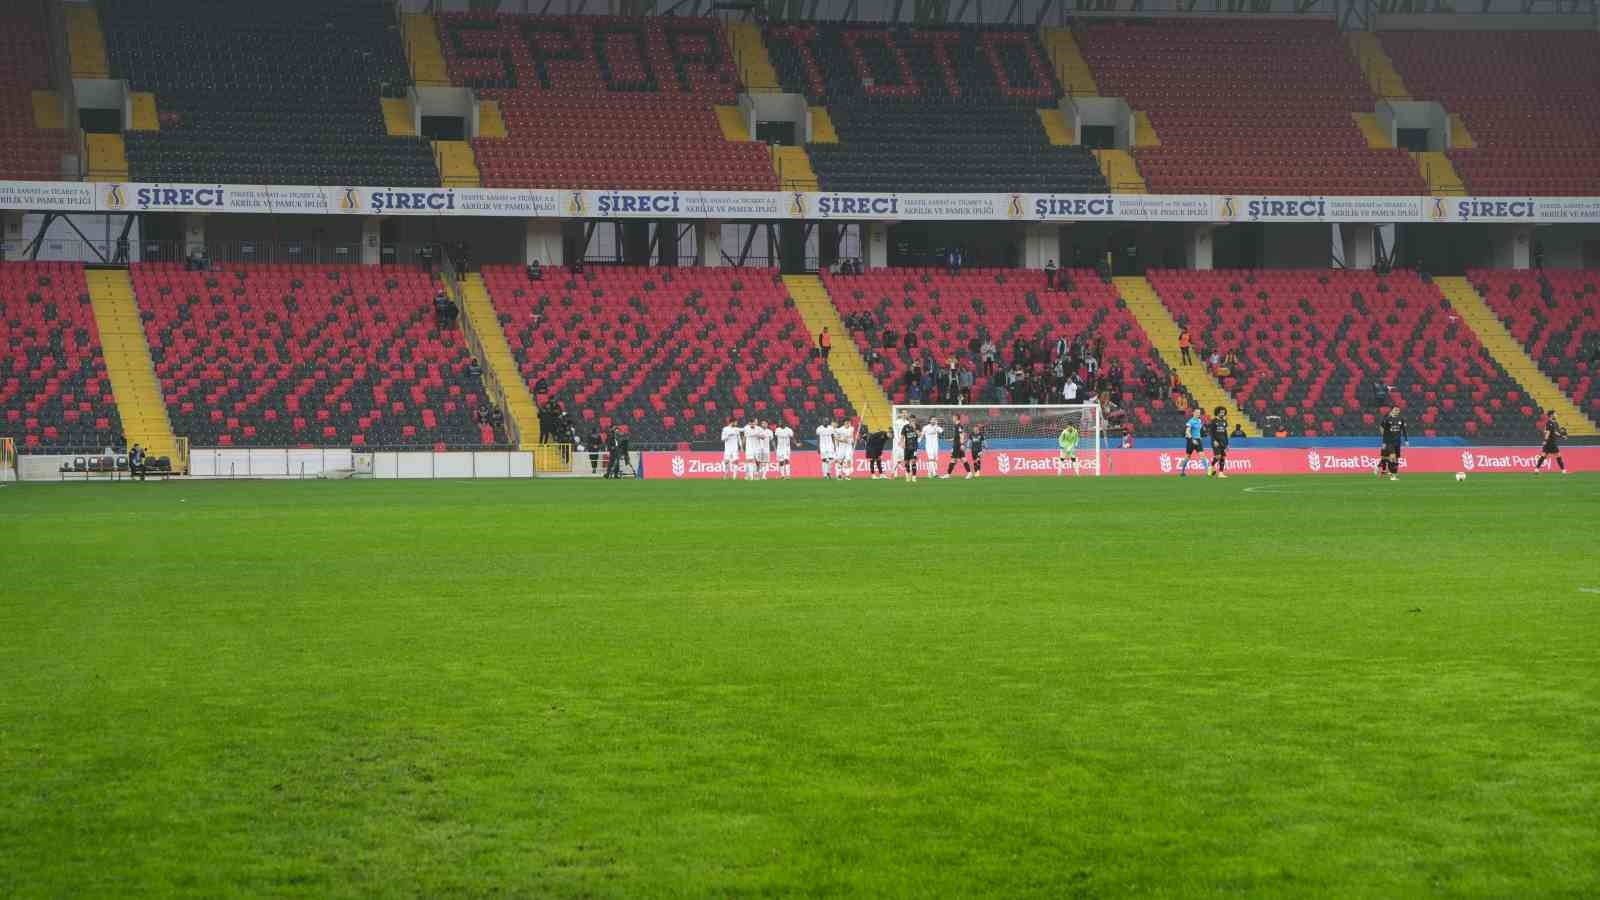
<point>535,271</point>
<point>595,443</point>
<point>1061,349</point>
<point>988,353</point>
<point>911,339</point>
<point>1238,430</point>
<point>1050,275</point>
<point>1070,390</point>
<point>824,343</point>
<point>890,338</point>
<point>964,381</point>
<point>425,257</point>
<point>1184,342</point>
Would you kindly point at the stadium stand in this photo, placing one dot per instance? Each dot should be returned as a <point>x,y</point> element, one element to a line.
<point>265,93</point>
<point>54,392</point>
<point>668,354</point>
<point>32,135</point>
<point>1246,107</point>
<point>301,355</point>
<point>602,102</point>
<point>1555,314</point>
<point>948,313</point>
<point>1530,101</point>
<point>1312,346</point>
<point>948,110</point>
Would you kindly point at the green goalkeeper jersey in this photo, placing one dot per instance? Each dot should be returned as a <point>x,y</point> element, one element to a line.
<point>1069,438</point>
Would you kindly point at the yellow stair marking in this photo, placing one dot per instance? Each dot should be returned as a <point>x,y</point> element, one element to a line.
<point>1460,137</point>
<point>1383,79</point>
<point>1440,174</point>
<point>491,124</point>
<point>1121,172</point>
<point>1368,123</point>
<point>47,112</point>
<point>816,309</point>
<point>128,365</point>
<point>1144,134</point>
<point>86,43</point>
<point>397,120</point>
<point>423,50</point>
<point>1072,70</point>
<point>822,126</point>
<point>500,367</point>
<point>1508,352</point>
<point>794,169</point>
<point>750,54</point>
<point>732,122</point>
<point>458,165</point>
<point>1055,127</point>
<point>145,117</point>
<point>1162,330</point>
<point>108,157</point>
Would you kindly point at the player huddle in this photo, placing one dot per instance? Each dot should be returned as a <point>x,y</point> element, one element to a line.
<point>764,449</point>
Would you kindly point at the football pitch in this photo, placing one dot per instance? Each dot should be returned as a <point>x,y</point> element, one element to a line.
<point>1315,686</point>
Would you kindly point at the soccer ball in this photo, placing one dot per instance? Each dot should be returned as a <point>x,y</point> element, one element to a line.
<point>1461,476</point>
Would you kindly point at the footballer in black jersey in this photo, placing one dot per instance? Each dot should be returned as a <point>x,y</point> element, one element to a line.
<point>958,451</point>
<point>908,436</point>
<point>1393,428</point>
<point>1553,433</point>
<point>1219,442</point>
<point>975,450</point>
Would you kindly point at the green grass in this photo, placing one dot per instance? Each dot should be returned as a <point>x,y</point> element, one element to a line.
<point>1326,687</point>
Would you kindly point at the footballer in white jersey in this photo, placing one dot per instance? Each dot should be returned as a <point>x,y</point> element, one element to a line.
<point>752,438</point>
<point>897,450</point>
<point>785,438</point>
<point>844,450</point>
<point>731,434</point>
<point>825,446</point>
<point>930,445</point>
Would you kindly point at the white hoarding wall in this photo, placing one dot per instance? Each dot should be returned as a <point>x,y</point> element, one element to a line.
<point>777,205</point>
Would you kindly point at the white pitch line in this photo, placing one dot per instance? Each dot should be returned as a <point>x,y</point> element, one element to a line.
<point>1589,590</point>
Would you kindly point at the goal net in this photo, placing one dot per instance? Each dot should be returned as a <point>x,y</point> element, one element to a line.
<point>1034,430</point>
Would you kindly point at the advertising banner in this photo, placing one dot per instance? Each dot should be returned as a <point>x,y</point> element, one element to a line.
<point>1241,462</point>
<point>47,196</point>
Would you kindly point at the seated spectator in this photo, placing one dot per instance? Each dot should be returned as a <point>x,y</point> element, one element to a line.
<point>535,271</point>
<point>1238,430</point>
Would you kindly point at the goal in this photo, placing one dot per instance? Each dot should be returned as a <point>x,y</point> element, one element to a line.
<point>1023,428</point>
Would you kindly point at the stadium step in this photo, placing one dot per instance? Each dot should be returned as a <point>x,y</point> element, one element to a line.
<point>794,169</point>
<point>1440,174</point>
<point>501,377</point>
<point>1144,134</point>
<point>145,116</point>
<point>815,305</point>
<point>423,51</point>
<point>1121,171</point>
<point>1072,70</point>
<point>108,157</point>
<point>750,55</point>
<point>491,124</point>
<point>1383,79</point>
<point>822,126</point>
<point>47,112</point>
<point>1157,322</point>
<point>1509,353</point>
<point>1055,128</point>
<point>133,376</point>
<point>1460,137</point>
<point>458,166</point>
<point>1372,131</point>
<point>397,117</point>
<point>86,43</point>
<point>731,120</point>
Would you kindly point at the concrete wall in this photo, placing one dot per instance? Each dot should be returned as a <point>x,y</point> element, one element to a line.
<point>1290,246</point>
<point>1111,111</point>
<point>777,108</point>
<point>1396,114</point>
<point>448,101</point>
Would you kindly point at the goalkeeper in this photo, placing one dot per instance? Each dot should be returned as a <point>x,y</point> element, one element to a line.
<point>1068,441</point>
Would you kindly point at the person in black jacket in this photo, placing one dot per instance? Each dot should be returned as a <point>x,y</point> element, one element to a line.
<point>875,442</point>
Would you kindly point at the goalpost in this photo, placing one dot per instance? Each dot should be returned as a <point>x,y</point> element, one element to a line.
<point>1017,428</point>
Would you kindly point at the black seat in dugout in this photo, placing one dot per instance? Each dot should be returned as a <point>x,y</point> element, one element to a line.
<point>292,87</point>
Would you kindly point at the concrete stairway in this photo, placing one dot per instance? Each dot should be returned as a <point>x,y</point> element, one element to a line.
<point>108,157</point>
<point>458,165</point>
<point>423,50</point>
<point>1072,70</point>
<point>816,308</point>
<point>731,121</point>
<point>397,120</point>
<point>86,43</point>
<point>500,372</point>
<point>1158,323</point>
<point>145,117</point>
<point>1055,127</point>
<point>491,124</point>
<point>1121,172</point>
<point>1441,176</point>
<point>128,364</point>
<point>1383,79</point>
<point>794,169</point>
<point>750,55</point>
<point>1508,352</point>
<point>821,126</point>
